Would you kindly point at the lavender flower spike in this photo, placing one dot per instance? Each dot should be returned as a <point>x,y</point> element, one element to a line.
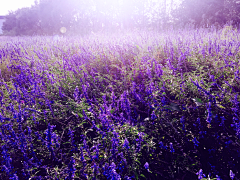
<point>146,165</point>
<point>231,174</point>
<point>200,174</point>
<point>218,177</point>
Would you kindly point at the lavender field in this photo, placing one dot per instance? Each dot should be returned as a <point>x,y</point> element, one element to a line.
<point>132,105</point>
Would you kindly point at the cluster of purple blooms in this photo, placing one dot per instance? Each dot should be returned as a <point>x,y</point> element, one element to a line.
<point>30,141</point>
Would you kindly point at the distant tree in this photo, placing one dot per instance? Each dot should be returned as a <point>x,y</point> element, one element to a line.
<point>190,11</point>
<point>208,12</point>
<point>48,18</point>
<point>60,13</point>
<point>9,25</point>
<point>158,15</point>
<point>82,17</point>
<point>21,22</point>
<point>27,21</point>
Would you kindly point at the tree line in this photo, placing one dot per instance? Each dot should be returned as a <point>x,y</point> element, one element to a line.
<point>46,17</point>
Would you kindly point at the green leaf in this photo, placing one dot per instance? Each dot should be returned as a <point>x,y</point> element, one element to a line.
<point>112,111</point>
<point>197,101</point>
<point>138,161</point>
<point>136,175</point>
<point>80,115</point>
<point>143,176</point>
<point>220,106</point>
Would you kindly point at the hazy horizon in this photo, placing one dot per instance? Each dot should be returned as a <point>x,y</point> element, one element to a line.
<point>13,5</point>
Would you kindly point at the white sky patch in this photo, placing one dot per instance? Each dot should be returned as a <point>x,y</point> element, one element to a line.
<point>13,5</point>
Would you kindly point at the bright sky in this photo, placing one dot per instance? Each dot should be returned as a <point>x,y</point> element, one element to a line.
<point>13,5</point>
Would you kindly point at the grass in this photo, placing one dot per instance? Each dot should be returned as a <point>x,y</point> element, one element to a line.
<point>141,105</point>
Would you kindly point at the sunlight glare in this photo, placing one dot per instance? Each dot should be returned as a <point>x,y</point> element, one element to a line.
<point>63,30</point>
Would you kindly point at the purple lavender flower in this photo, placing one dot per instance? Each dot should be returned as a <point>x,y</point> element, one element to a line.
<point>150,89</point>
<point>85,146</point>
<point>94,126</point>
<point>106,170</point>
<point>126,144</point>
<point>125,103</point>
<point>161,145</point>
<point>195,141</point>
<point>95,169</point>
<point>197,84</point>
<point>71,134</point>
<point>14,177</point>
<point>159,70</point>
<point>112,172</point>
<point>97,152</point>
<point>139,140</point>
<point>50,107</point>
<point>123,163</point>
<point>56,139</point>
<point>222,122</point>
<point>209,117</point>
<point>171,148</point>
<point>114,149</point>
<point>48,133</point>
<point>200,174</point>
<point>7,160</point>
<point>61,94</point>
<point>198,125</point>
<point>231,174</point>
<point>113,100</point>
<point>31,146</point>
<point>153,116</point>
<point>163,100</point>
<point>76,94</point>
<point>71,168</point>
<point>236,124</point>
<point>182,122</point>
<point>146,165</point>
